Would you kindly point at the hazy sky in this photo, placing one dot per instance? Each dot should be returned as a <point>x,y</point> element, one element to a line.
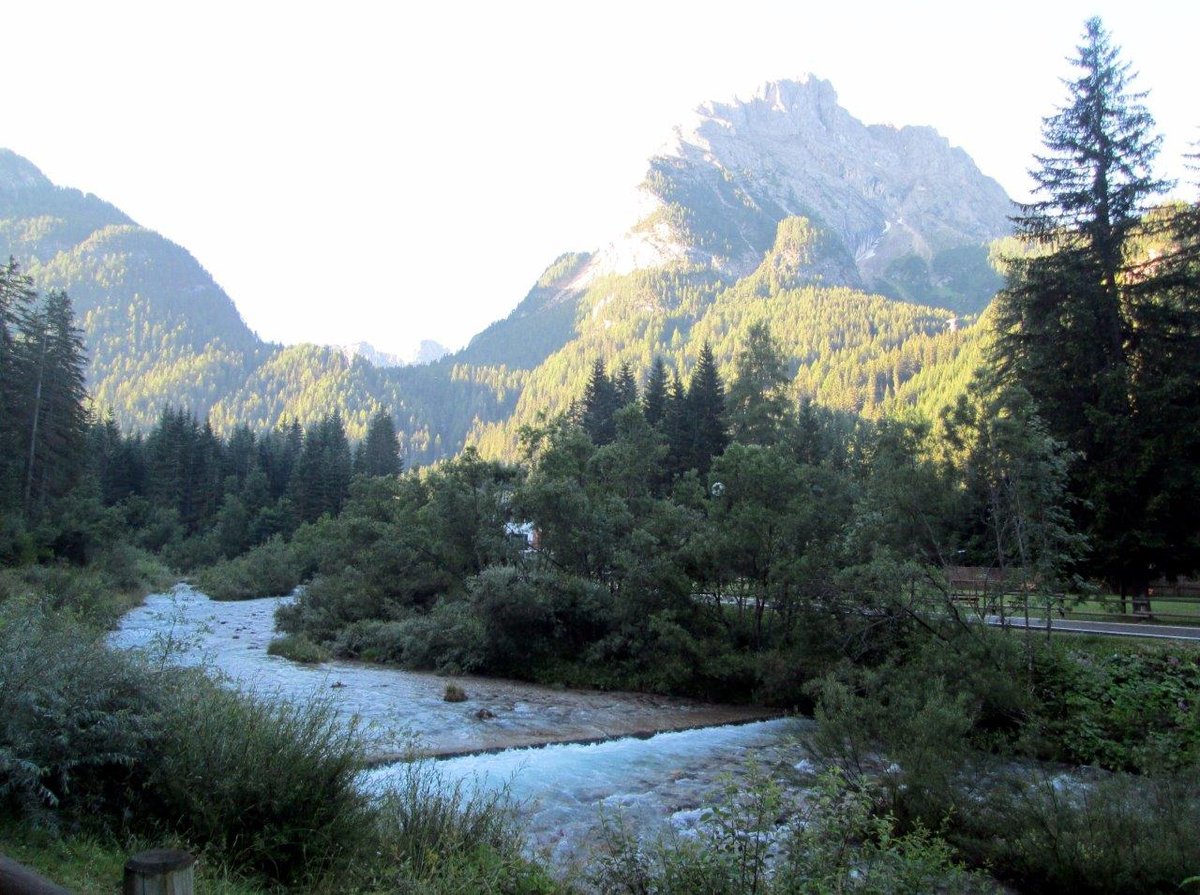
<point>388,172</point>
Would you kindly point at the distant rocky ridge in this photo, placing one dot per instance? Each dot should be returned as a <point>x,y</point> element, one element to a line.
<point>783,207</point>
<point>881,195</point>
<point>424,352</point>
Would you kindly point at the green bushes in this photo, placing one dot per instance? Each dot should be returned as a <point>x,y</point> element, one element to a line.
<point>95,741</point>
<point>448,838</point>
<point>1107,833</point>
<point>1131,709</point>
<point>297,648</point>
<point>75,720</point>
<point>96,594</point>
<point>269,785</point>
<point>924,731</point>
<point>830,843</point>
<point>266,571</point>
<point>533,615</point>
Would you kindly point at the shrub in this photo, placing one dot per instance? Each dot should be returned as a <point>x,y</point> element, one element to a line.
<point>532,615</point>
<point>454,693</point>
<point>75,718</point>
<point>448,639</point>
<point>92,739</point>
<point>1120,833</point>
<point>269,785</point>
<point>1131,709</point>
<point>268,570</point>
<point>436,836</point>
<point>298,648</point>
<point>759,839</point>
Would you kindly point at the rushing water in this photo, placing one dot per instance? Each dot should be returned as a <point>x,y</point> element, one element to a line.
<point>652,781</point>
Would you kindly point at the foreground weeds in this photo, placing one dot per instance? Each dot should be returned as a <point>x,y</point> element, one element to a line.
<point>99,749</point>
<point>759,840</point>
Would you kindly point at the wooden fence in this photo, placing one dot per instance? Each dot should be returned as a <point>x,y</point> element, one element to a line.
<point>990,591</point>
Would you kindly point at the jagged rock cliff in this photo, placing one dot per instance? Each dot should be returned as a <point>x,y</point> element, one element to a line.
<point>881,196</point>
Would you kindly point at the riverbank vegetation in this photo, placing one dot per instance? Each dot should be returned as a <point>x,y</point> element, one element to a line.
<point>111,749</point>
<point>675,534</point>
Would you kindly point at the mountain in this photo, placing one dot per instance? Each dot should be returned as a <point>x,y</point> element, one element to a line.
<point>882,199</point>
<point>862,245</point>
<point>424,352</point>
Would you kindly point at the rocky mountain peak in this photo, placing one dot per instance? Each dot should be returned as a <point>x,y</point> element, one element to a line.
<point>714,196</point>
<point>423,351</point>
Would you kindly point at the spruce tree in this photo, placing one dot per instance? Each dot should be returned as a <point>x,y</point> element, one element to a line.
<point>654,399</point>
<point>321,482</point>
<point>706,411</point>
<point>599,405</point>
<point>625,386</point>
<point>16,300</point>
<point>678,429</point>
<point>54,419</point>
<point>1080,326</point>
<point>758,403</point>
<point>379,453</point>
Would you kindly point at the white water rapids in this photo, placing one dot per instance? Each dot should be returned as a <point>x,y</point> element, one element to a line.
<point>652,781</point>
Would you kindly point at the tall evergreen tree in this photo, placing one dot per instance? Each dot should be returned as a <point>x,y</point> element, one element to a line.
<point>625,386</point>
<point>379,452</point>
<point>55,418</point>
<point>16,300</point>
<point>654,398</point>
<point>321,482</point>
<point>599,405</point>
<point>706,411</point>
<point>678,428</point>
<point>758,402</point>
<point>1080,323</point>
<point>184,468</point>
<point>118,461</point>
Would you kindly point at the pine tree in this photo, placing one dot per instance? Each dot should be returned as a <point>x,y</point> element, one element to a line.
<point>678,428</point>
<point>706,411</point>
<point>54,419</point>
<point>117,461</point>
<point>599,405</point>
<point>379,452</point>
<point>16,300</point>
<point>1081,326</point>
<point>625,386</point>
<point>654,399</point>
<point>758,402</point>
<point>321,482</point>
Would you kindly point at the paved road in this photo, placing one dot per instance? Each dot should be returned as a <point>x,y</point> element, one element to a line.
<point>1108,629</point>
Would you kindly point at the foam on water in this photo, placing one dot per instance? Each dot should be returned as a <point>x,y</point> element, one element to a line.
<point>652,783</point>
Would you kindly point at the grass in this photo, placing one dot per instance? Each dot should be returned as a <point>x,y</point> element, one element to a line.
<point>1164,610</point>
<point>94,865</point>
<point>96,595</point>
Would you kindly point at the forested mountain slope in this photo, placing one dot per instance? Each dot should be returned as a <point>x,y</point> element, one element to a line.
<point>864,247</point>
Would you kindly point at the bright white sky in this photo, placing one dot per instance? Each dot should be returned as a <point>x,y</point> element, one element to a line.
<point>389,172</point>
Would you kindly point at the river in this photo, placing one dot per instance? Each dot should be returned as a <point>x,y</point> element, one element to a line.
<point>498,737</point>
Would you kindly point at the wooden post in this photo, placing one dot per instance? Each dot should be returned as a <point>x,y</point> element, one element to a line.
<point>159,871</point>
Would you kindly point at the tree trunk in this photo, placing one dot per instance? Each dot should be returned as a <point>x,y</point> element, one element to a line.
<point>33,428</point>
